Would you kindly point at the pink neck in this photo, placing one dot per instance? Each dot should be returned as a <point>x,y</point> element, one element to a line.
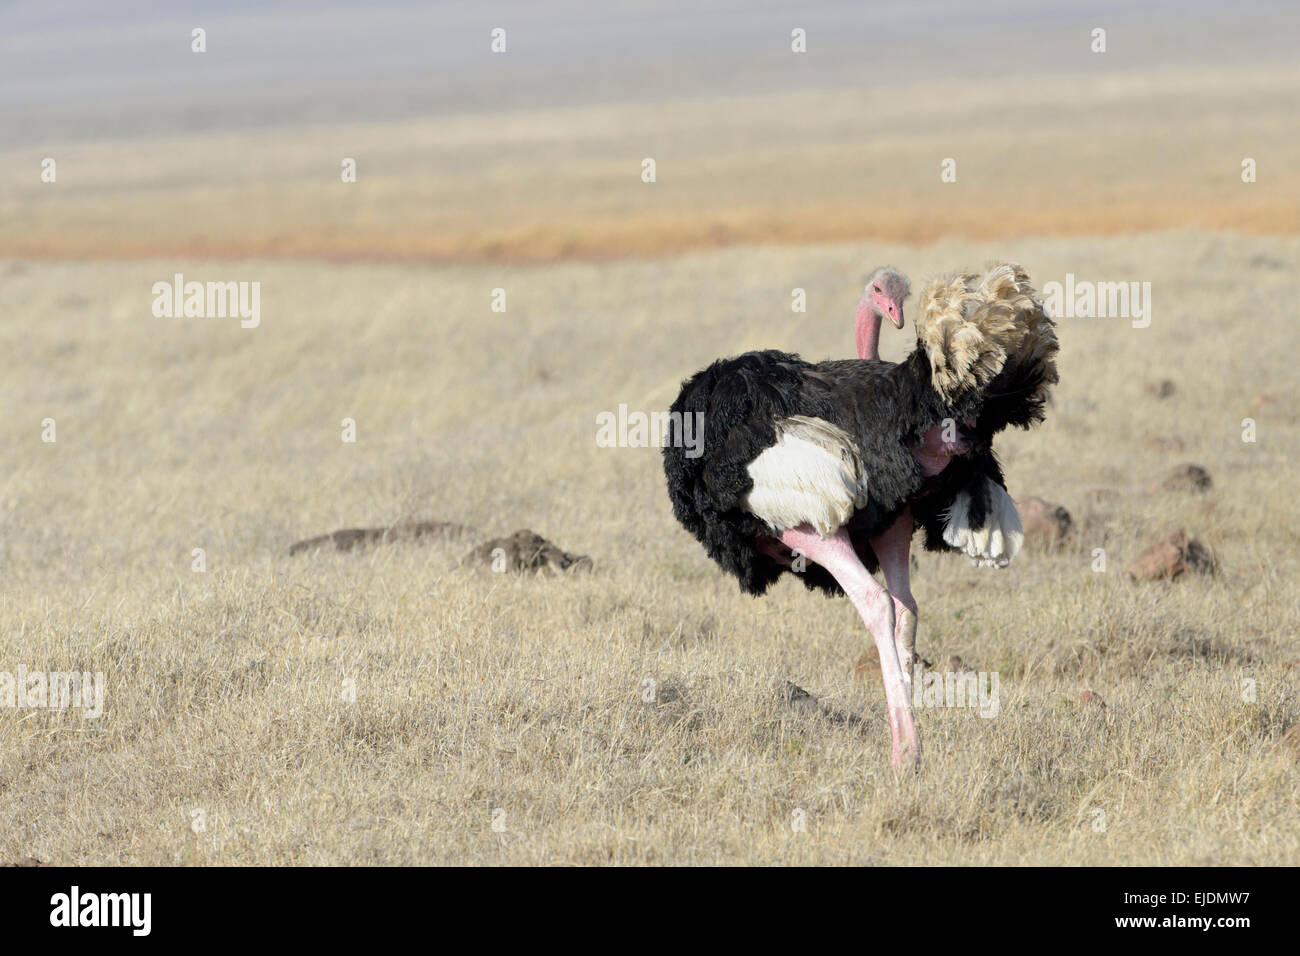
<point>868,330</point>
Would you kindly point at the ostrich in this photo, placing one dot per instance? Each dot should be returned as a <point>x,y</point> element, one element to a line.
<point>840,462</point>
<point>884,294</point>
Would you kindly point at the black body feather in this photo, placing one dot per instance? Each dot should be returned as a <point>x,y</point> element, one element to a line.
<point>884,406</point>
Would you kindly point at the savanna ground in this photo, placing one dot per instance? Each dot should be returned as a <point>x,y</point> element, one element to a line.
<point>478,691</point>
<point>483,697</point>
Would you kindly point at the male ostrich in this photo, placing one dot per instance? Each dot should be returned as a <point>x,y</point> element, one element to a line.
<point>839,462</point>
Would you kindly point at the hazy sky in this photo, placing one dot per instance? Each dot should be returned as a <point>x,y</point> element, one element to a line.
<point>89,68</point>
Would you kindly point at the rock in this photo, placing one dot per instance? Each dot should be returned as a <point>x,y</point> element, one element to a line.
<point>1188,477</point>
<point>28,861</point>
<point>1262,401</point>
<point>526,551</point>
<point>349,538</point>
<point>1044,523</point>
<point>1161,389</point>
<point>1170,558</point>
<point>1092,697</point>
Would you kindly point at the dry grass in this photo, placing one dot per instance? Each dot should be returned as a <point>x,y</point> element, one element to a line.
<point>478,691</point>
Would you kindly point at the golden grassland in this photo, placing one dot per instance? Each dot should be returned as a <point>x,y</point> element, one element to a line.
<point>1095,154</point>
<point>479,692</point>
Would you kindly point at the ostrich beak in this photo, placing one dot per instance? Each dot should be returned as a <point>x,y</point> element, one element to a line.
<point>893,309</point>
<point>890,307</point>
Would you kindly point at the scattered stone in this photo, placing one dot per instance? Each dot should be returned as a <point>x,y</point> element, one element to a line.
<point>1044,523</point>
<point>1170,558</point>
<point>349,538</point>
<point>526,551</point>
<point>1188,477</point>
<point>28,861</point>
<point>1092,697</point>
<point>1161,389</point>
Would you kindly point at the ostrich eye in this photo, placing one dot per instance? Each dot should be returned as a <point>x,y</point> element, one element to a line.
<point>875,287</point>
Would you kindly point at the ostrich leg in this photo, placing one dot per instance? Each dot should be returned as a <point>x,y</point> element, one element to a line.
<point>876,608</point>
<point>893,549</point>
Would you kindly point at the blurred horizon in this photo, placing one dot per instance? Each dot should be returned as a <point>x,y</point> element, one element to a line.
<point>535,154</point>
<point>66,74</point>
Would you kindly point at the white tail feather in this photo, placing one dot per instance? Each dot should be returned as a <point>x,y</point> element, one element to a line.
<point>993,545</point>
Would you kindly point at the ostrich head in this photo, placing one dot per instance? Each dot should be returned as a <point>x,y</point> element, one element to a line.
<point>883,296</point>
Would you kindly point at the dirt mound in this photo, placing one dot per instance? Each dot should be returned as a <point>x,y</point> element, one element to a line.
<point>522,551</point>
<point>1045,524</point>
<point>1170,558</point>
<point>349,538</point>
<point>526,551</point>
